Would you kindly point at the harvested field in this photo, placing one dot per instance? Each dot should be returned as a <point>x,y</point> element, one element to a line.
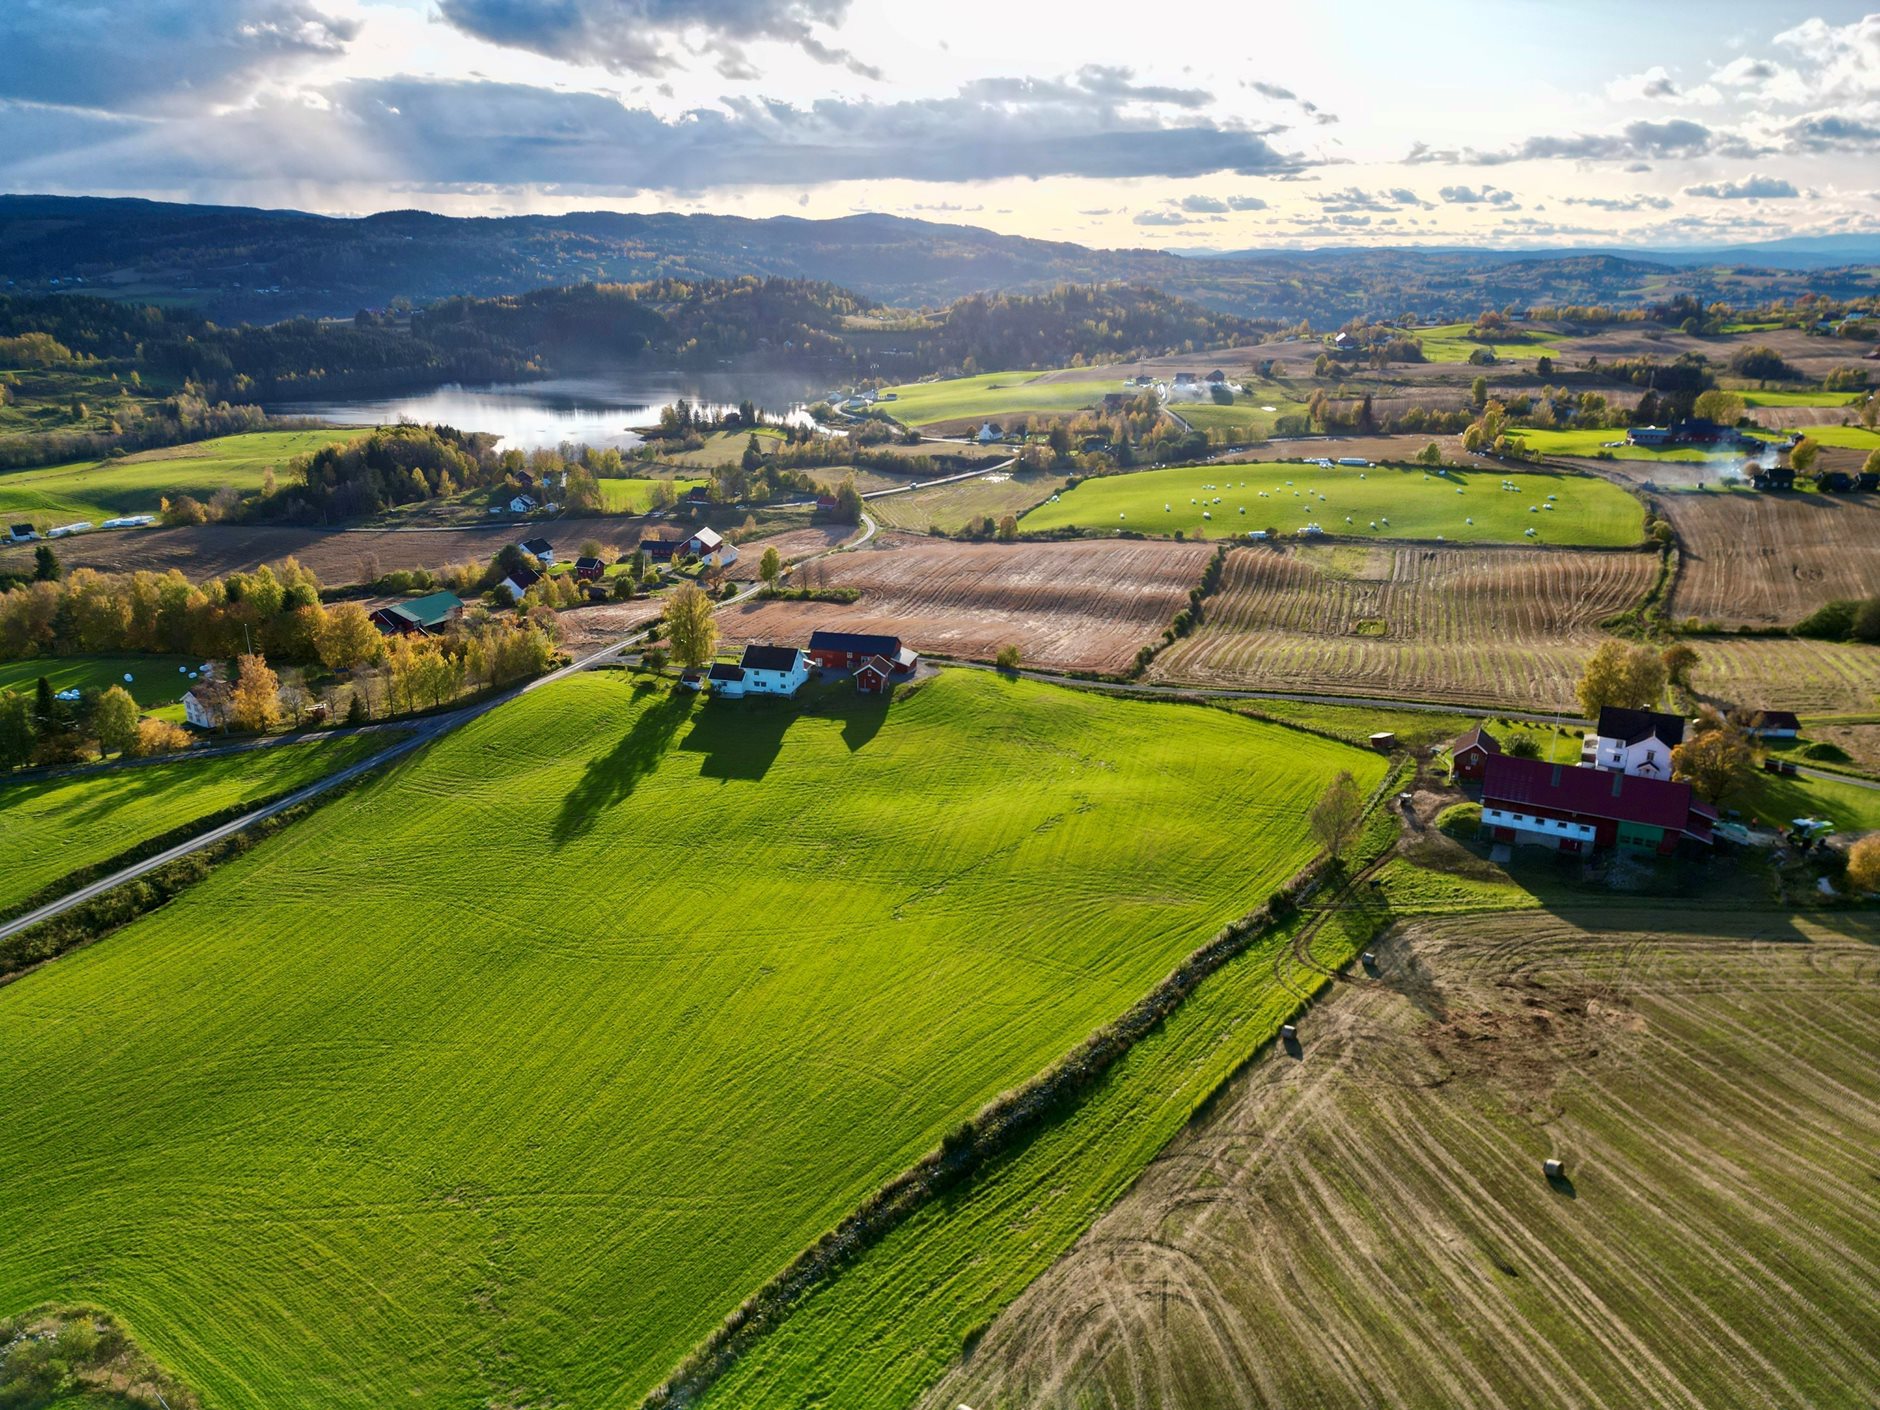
<point>585,629</point>
<point>792,545</point>
<point>1768,560</point>
<point>1367,1224</point>
<point>951,507</point>
<point>1788,673</point>
<point>337,555</point>
<point>1071,606</point>
<point>1493,627</point>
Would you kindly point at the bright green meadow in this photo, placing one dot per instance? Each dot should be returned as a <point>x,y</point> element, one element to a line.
<point>1345,500</point>
<point>632,494</point>
<point>107,489</point>
<point>1800,398</point>
<point>1451,343</point>
<point>156,683</point>
<point>50,828</point>
<point>501,1079</point>
<point>995,394</point>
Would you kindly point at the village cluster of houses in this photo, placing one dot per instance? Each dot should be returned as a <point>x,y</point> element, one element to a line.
<point>875,661</point>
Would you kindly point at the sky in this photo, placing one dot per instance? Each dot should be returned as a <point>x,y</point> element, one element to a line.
<point>1222,124</point>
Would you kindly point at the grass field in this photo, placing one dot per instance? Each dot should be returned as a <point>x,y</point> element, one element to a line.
<point>157,682</point>
<point>1610,441</point>
<point>632,495</point>
<point>1367,1223</point>
<point>1452,343</point>
<point>950,507</point>
<point>106,489</point>
<point>1846,437</point>
<point>1417,505</point>
<point>1247,416</point>
<point>991,395</point>
<point>524,1126</point>
<point>51,827</point>
<point>1803,398</point>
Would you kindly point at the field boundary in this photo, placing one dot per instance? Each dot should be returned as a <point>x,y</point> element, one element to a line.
<point>999,1127</point>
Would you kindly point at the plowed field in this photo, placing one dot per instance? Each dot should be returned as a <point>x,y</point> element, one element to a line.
<point>1368,1224</point>
<point>1494,627</point>
<point>1768,560</point>
<point>1073,606</point>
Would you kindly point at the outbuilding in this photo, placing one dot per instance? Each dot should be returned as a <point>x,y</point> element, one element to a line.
<point>846,651</point>
<point>1575,809</point>
<point>874,676</point>
<point>1470,752</point>
<point>1776,724</point>
<point>420,616</point>
<point>589,568</point>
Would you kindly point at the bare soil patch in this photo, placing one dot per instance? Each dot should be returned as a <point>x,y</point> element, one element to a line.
<point>1072,606</point>
<point>1768,560</point>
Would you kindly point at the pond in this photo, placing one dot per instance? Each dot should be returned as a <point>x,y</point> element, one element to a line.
<point>597,411</point>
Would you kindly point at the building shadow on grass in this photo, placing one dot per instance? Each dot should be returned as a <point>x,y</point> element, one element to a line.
<point>863,716</point>
<point>739,738</point>
<point>610,778</point>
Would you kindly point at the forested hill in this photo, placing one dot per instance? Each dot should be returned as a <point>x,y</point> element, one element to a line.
<point>236,264</point>
<point>707,323</point>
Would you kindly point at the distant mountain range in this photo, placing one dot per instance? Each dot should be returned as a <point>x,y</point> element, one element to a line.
<point>240,264</point>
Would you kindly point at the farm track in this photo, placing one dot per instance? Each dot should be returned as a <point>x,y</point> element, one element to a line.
<point>1483,626</point>
<point>1368,1225</point>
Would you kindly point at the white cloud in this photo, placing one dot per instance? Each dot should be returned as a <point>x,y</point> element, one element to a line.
<point>1750,188</point>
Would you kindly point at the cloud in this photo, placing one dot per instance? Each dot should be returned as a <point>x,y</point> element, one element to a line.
<point>447,134</point>
<point>1673,138</point>
<point>1842,62</point>
<point>1203,205</point>
<point>1750,188</point>
<point>1245,203</point>
<point>1354,198</point>
<point>155,53</point>
<point>1160,218</point>
<point>1471,196</point>
<point>635,36</point>
<point>1832,132</point>
<point>1655,85</point>
<point>1616,203</point>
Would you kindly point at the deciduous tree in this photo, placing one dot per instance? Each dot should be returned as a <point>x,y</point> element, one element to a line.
<point>114,721</point>
<point>690,625</point>
<point>1631,677</point>
<point>1863,863</point>
<point>1680,660</point>
<point>1803,456</point>
<point>1336,816</point>
<point>1717,762</point>
<point>256,701</point>
<point>346,638</point>
<point>770,567</point>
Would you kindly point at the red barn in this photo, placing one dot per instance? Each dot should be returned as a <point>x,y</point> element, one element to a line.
<point>873,675</point>
<point>1471,752</point>
<point>846,651</point>
<point>1575,809</point>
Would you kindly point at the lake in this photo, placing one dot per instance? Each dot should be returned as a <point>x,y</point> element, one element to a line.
<point>597,411</point>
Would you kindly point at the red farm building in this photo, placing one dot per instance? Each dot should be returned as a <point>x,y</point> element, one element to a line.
<point>1575,809</point>
<point>1470,753</point>
<point>849,651</point>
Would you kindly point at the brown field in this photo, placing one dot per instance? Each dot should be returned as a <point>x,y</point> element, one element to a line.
<point>1367,1224</point>
<point>584,629</point>
<point>338,556</point>
<point>950,507</point>
<point>1480,626</point>
<point>792,545</point>
<point>1788,673</point>
<point>1768,560</point>
<point>1071,606</point>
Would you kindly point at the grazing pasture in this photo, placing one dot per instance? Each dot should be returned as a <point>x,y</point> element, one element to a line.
<point>992,395</point>
<point>1086,606</point>
<point>1380,502</point>
<point>1507,628</point>
<point>156,681</point>
<point>1367,1223</point>
<point>135,484</point>
<point>504,1077</point>
<point>1247,416</point>
<point>951,507</point>
<point>1768,397</point>
<point>52,827</point>
<point>1451,343</point>
<point>1768,560</point>
<point>1609,442</point>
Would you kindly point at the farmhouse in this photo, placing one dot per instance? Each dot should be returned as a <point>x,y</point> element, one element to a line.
<point>763,670</point>
<point>847,651</point>
<point>421,616</point>
<point>990,432</point>
<point>1471,751</point>
<point>1578,810</point>
<point>661,549</point>
<point>1776,724</point>
<point>520,504</point>
<point>1773,477</point>
<point>539,549</point>
<point>206,704</point>
<point>21,533</point>
<point>519,582</point>
<point>1692,431</point>
<point>698,497</point>
<point>704,542</point>
<point>1633,742</point>
<point>588,568</point>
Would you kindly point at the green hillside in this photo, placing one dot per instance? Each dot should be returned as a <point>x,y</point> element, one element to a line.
<point>502,1079</point>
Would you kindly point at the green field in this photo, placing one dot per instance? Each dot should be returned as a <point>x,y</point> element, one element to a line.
<point>51,827</point>
<point>1286,496</point>
<point>1846,437</point>
<point>1451,343</point>
<point>157,682</point>
<point>632,495</point>
<point>660,990</point>
<point>950,506</point>
<point>1785,398</point>
<point>1246,416</point>
<point>992,395</point>
<point>1594,443</point>
<point>107,489</point>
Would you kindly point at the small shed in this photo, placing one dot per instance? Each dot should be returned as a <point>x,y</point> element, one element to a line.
<point>1470,752</point>
<point>1776,724</point>
<point>873,675</point>
<point>1383,741</point>
<point>588,568</point>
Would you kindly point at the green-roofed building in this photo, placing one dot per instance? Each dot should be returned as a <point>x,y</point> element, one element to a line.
<point>421,616</point>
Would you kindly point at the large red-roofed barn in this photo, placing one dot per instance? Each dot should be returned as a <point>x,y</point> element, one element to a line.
<point>1574,809</point>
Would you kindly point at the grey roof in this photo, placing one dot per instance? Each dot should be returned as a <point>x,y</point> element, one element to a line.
<point>726,671</point>
<point>537,546</point>
<point>855,643</point>
<point>1635,725</point>
<point>770,658</point>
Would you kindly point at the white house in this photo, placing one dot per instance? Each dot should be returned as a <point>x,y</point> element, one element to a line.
<point>764,670</point>
<point>721,557</point>
<point>521,504</point>
<point>205,704</point>
<point>519,582</point>
<point>988,433</point>
<point>540,549</point>
<point>1633,742</point>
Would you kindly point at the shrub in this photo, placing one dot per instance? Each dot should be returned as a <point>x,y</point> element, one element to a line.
<point>1825,752</point>
<point>1008,657</point>
<point>1522,746</point>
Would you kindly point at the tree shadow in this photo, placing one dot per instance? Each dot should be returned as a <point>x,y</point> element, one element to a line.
<point>864,716</point>
<point>609,779</point>
<point>739,738</point>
